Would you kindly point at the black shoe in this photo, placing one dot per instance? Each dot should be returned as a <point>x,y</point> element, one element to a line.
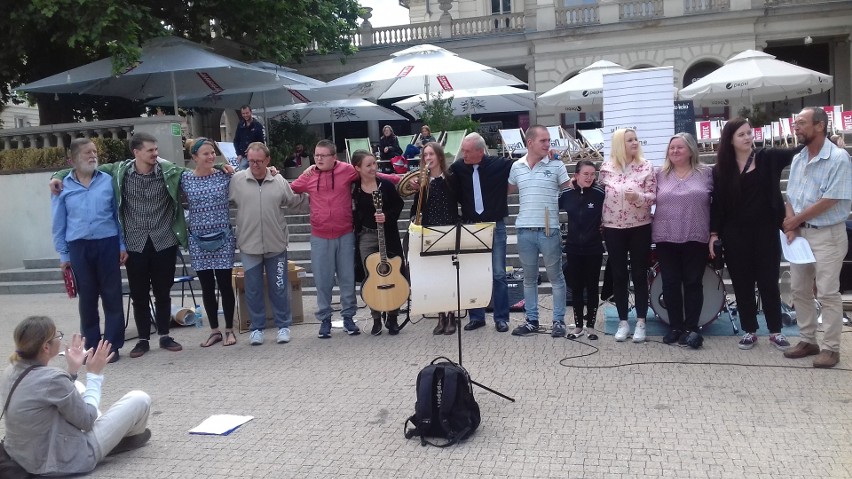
<point>166,342</point>
<point>140,349</point>
<point>392,325</point>
<point>130,443</point>
<point>681,341</point>
<point>471,325</point>
<point>525,329</point>
<point>115,357</point>
<point>672,336</point>
<point>501,326</point>
<point>377,327</point>
<point>694,340</point>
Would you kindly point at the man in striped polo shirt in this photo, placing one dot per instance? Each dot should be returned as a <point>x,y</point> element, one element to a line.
<point>538,179</point>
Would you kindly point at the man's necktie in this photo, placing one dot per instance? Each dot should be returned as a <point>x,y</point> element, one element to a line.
<point>477,192</point>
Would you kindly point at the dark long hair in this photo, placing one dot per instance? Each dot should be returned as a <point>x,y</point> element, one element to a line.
<point>726,172</point>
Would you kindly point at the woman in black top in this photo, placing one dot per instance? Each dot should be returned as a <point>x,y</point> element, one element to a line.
<point>389,144</point>
<point>426,136</point>
<point>747,212</point>
<point>366,222</point>
<point>440,208</point>
<point>583,204</point>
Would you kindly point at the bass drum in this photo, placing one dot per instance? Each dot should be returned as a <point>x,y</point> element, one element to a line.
<point>714,297</point>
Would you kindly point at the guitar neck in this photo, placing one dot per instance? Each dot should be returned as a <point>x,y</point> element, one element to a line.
<point>380,228</point>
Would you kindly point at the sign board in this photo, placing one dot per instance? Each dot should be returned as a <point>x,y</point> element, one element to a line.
<point>643,100</point>
<point>176,129</point>
<point>684,117</point>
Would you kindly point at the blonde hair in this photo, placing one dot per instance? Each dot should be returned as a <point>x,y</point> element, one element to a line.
<point>30,335</point>
<point>691,145</point>
<point>618,149</point>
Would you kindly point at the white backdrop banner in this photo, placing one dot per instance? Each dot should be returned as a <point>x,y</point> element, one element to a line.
<point>643,100</point>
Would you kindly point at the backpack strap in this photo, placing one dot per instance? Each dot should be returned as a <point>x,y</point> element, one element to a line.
<point>15,385</point>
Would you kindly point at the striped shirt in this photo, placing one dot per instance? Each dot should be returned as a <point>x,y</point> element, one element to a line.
<point>147,210</point>
<point>827,175</point>
<point>538,188</point>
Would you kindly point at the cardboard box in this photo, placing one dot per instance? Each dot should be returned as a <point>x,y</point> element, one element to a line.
<point>241,315</point>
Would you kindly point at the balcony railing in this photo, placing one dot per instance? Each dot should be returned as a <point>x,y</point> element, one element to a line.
<point>640,9</point>
<point>577,16</point>
<point>402,34</point>
<point>60,135</point>
<point>691,7</point>
<point>504,23</point>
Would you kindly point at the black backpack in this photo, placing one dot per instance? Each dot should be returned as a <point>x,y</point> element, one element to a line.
<point>445,405</point>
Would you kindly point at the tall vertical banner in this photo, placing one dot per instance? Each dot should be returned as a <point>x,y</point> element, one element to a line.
<point>643,100</point>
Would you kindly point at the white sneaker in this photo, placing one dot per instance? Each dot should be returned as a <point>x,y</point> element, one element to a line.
<point>639,332</point>
<point>623,331</point>
<point>256,337</point>
<point>283,335</point>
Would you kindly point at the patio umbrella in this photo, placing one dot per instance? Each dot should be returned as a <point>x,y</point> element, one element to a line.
<point>759,77</point>
<point>336,111</point>
<point>164,64</point>
<point>496,99</point>
<point>419,69</point>
<point>583,89</point>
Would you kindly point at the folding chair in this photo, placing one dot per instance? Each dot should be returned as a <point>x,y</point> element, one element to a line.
<point>555,133</point>
<point>513,143</point>
<point>594,142</point>
<point>405,140</point>
<point>355,144</point>
<point>185,279</point>
<point>452,144</point>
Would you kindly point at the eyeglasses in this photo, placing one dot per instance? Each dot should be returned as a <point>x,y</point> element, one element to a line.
<point>803,123</point>
<point>59,335</point>
<point>257,162</point>
<point>320,155</point>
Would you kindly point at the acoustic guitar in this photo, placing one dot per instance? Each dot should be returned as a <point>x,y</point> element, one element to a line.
<point>385,288</point>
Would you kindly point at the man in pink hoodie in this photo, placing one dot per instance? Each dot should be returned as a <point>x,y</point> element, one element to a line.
<point>329,187</point>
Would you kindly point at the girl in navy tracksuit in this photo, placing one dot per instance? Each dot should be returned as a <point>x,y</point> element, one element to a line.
<point>583,245</point>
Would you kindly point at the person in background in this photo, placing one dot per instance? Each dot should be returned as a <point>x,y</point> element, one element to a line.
<point>681,231</point>
<point>88,238</point>
<point>389,144</point>
<point>440,208</point>
<point>583,206</point>
<point>249,130</point>
<point>367,221</point>
<point>51,429</point>
<point>262,238</point>
<point>631,189</point>
<point>426,136</point>
<point>211,242</point>
<point>298,158</point>
<point>819,196</point>
<point>746,214</point>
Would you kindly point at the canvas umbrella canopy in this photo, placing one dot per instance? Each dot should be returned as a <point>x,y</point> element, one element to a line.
<point>583,89</point>
<point>168,66</point>
<point>496,99</point>
<point>419,69</point>
<point>336,111</point>
<point>758,77</point>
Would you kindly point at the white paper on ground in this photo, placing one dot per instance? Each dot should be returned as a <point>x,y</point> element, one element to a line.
<point>797,252</point>
<point>220,424</point>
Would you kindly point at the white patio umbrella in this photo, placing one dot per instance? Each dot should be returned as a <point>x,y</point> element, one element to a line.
<point>759,77</point>
<point>355,109</point>
<point>495,99</point>
<point>583,89</point>
<point>165,64</point>
<point>419,69</point>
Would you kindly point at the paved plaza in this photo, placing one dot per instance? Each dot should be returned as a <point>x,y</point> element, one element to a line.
<point>335,408</point>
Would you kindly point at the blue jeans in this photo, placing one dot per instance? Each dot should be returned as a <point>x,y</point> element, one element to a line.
<point>277,285</point>
<point>500,291</point>
<point>531,242</point>
<point>330,257</point>
<point>98,275</point>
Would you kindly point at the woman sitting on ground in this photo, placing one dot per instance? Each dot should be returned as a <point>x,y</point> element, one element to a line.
<point>51,429</point>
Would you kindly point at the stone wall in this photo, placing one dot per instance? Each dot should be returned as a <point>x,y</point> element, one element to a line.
<point>25,219</point>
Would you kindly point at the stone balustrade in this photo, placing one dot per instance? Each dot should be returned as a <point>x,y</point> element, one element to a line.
<point>705,6</point>
<point>504,23</point>
<point>577,16</point>
<point>60,135</point>
<point>640,10</point>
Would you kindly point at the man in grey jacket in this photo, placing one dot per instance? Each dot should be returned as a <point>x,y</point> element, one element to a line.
<point>262,239</point>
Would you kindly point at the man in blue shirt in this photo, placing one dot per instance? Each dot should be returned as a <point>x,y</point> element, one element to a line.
<point>88,238</point>
<point>249,131</point>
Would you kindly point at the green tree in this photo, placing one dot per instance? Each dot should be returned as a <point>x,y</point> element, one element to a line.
<point>44,37</point>
<point>438,114</point>
<point>284,134</point>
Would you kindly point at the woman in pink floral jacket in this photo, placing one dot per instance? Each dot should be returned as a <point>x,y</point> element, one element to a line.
<point>630,192</point>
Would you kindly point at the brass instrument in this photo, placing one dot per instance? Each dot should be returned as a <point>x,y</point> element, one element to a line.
<point>406,188</point>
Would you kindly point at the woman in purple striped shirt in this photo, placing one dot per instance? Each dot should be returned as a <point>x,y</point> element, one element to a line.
<point>681,231</point>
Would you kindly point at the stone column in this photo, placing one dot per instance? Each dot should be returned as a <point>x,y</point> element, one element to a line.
<point>608,11</point>
<point>841,51</point>
<point>673,8</point>
<point>366,27</point>
<point>60,139</point>
<point>446,20</point>
<point>545,15</point>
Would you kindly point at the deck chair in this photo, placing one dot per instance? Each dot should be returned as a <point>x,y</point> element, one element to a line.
<point>568,148</point>
<point>787,136</point>
<point>513,143</point>
<point>355,144</point>
<point>405,140</point>
<point>452,144</point>
<point>555,133</point>
<point>594,142</point>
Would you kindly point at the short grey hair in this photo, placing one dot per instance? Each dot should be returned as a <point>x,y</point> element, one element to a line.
<point>477,140</point>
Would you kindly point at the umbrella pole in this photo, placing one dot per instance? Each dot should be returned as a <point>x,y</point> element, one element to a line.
<point>174,92</point>
<point>265,118</point>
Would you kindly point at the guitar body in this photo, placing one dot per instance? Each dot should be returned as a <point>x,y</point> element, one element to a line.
<point>385,288</point>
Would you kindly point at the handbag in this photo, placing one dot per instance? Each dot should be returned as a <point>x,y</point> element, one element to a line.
<point>212,241</point>
<point>9,469</point>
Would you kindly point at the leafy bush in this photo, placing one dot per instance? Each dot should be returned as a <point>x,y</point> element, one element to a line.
<point>284,134</point>
<point>111,150</point>
<point>31,159</point>
<point>438,114</point>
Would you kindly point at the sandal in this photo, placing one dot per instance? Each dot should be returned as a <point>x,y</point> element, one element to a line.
<point>212,339</point>
<point>230,339</point>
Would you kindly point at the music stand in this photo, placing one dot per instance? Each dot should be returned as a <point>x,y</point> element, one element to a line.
<point>453,241</point>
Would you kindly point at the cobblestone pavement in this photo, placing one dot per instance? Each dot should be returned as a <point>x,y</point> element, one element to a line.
<point>335,408</point>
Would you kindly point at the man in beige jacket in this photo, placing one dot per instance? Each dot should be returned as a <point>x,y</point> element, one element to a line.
<point>262,239</point>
